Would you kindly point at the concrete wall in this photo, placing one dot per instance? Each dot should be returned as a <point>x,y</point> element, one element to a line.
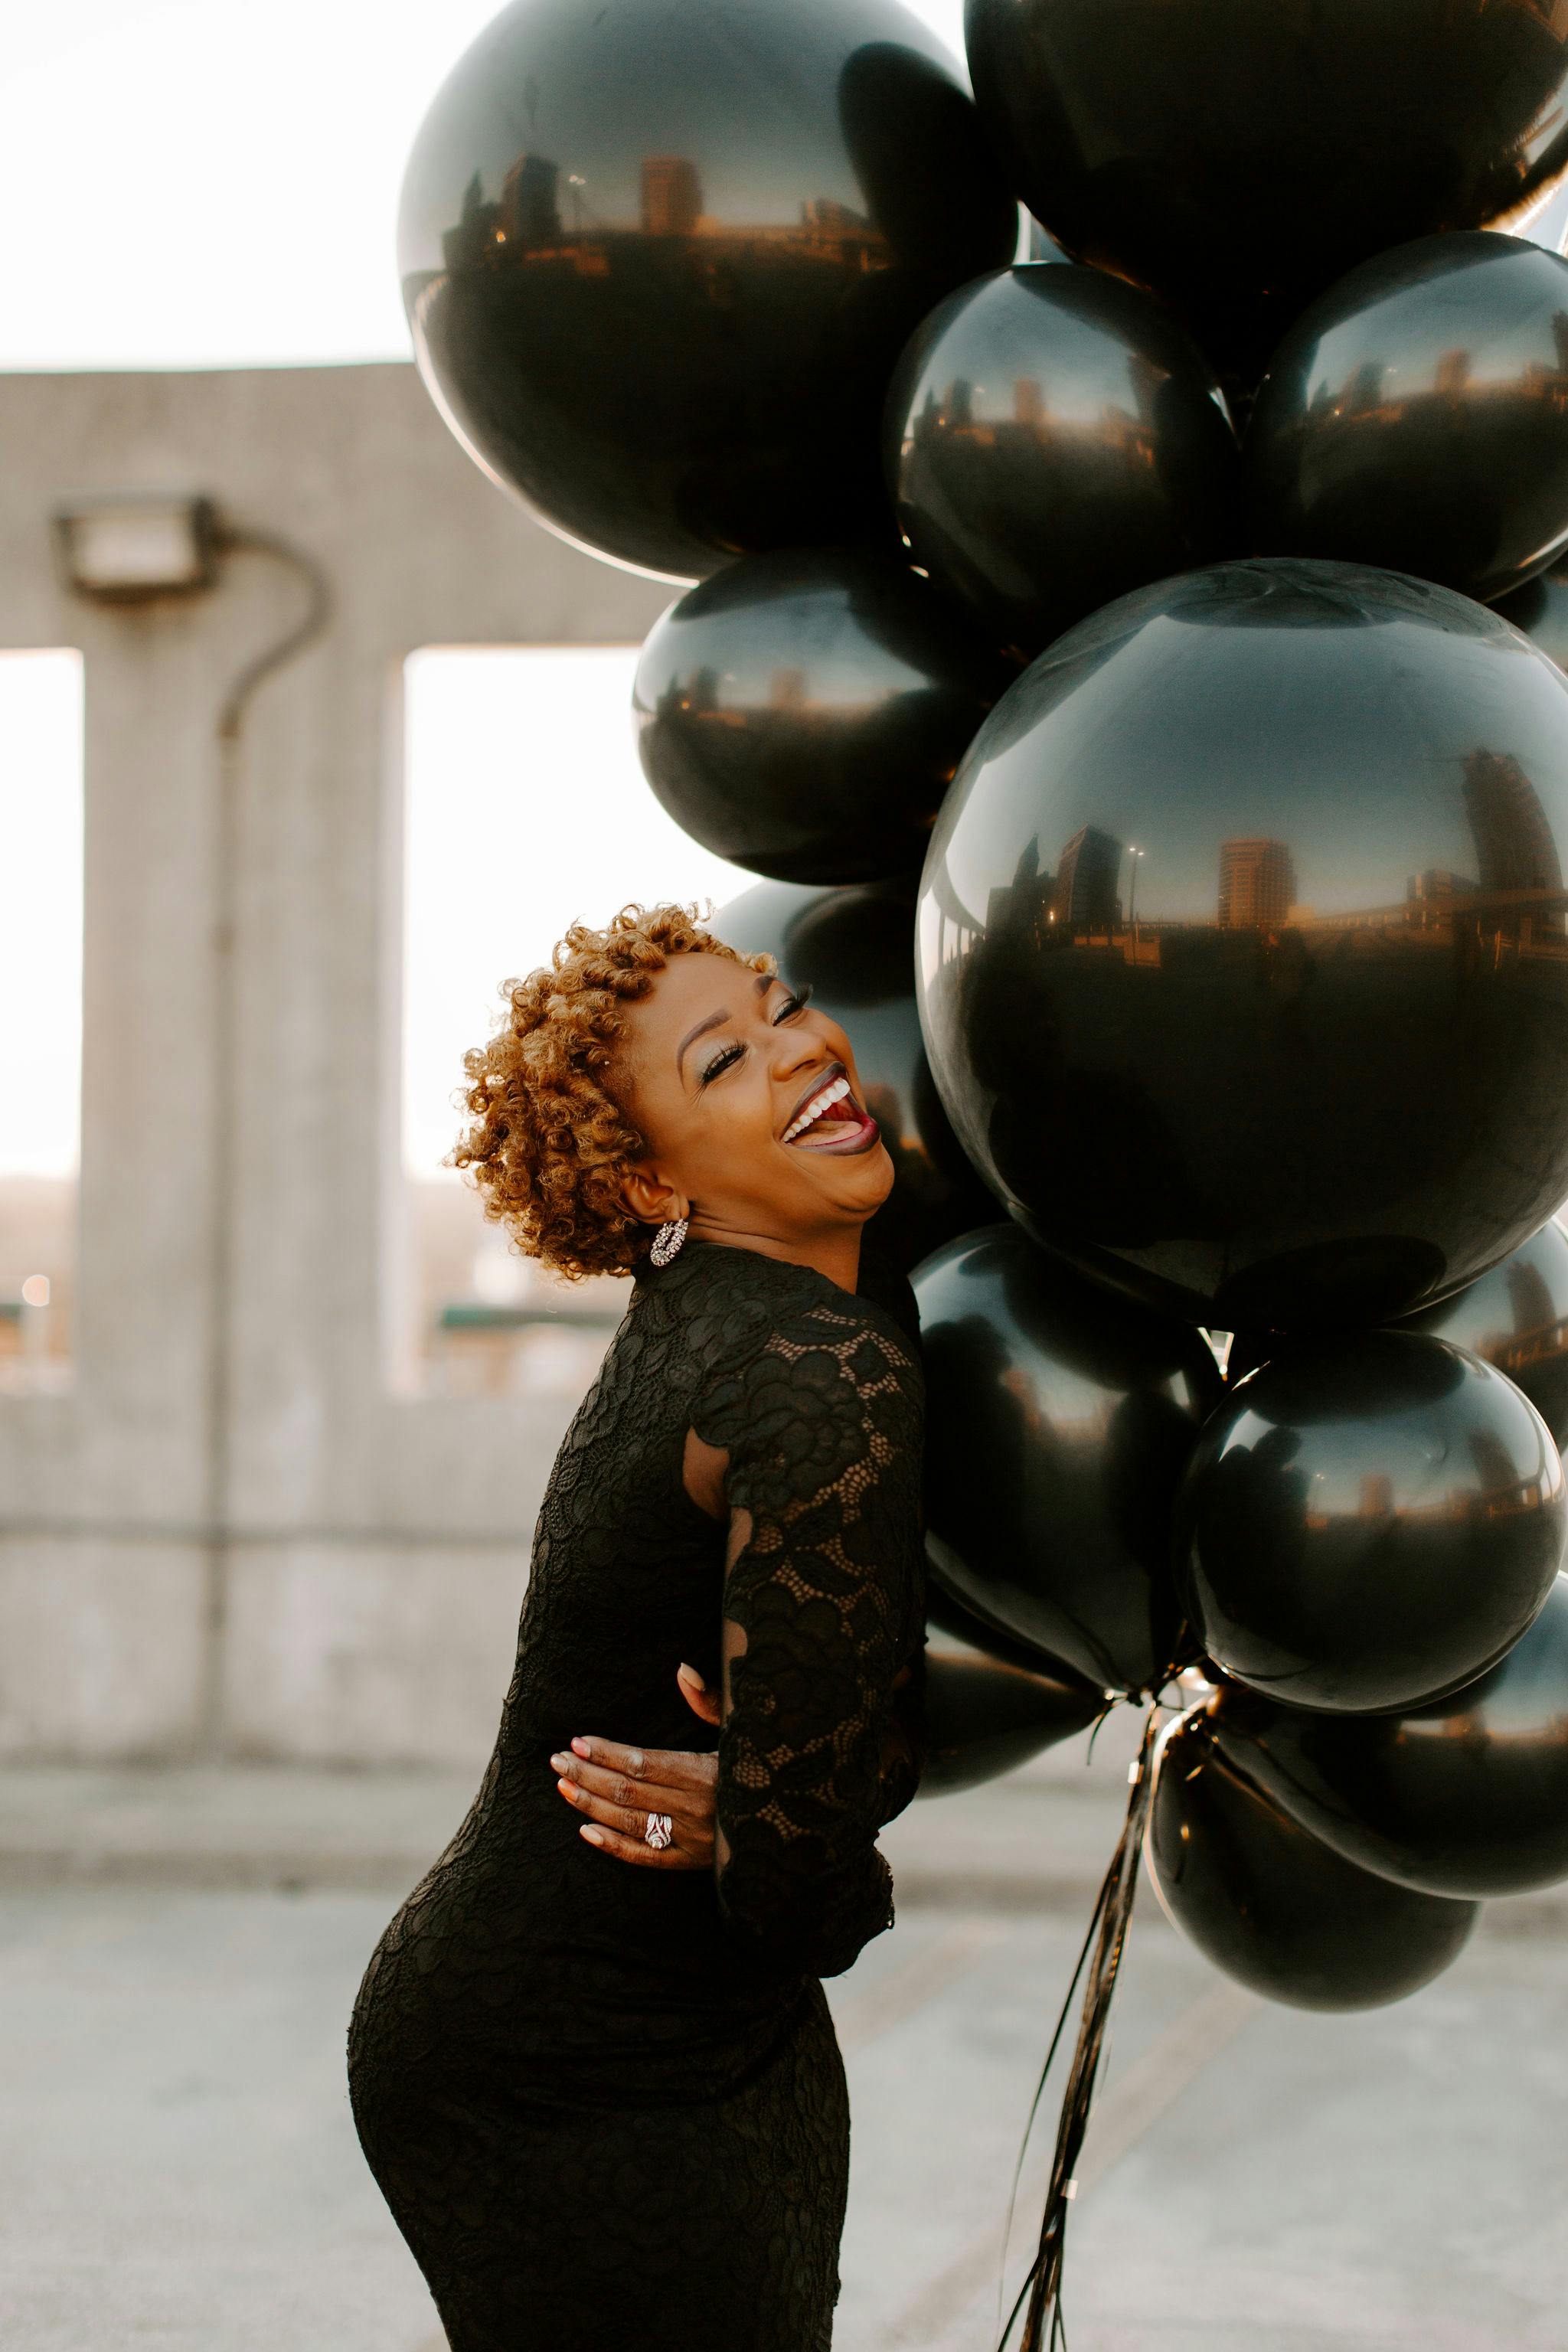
<point>235,1535</point>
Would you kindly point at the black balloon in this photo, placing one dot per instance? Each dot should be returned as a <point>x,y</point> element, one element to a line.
<point>855,949</point>
<point>803,714</point>
<point>1541,609</point>
<point>1417,417</point>
<point>659,257</point>
<point>1465,1796</point>
<point>1370,1522</point>
<point>1272,1904</point>
<point>1054,439</point>
<point>989,1705</point>
<point>1243,958</point>
<point>1059,1424</point>
<point>1239,156</point>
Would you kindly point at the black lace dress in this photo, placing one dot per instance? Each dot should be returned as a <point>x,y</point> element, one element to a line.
<point>605,2105</point>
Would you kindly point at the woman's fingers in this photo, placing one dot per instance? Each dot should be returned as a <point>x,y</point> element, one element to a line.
<point>696,1695</point>
<point>641,1855</point>
<point>625,1807</point>
<point>617,1790</point>
<point>664,1768</point>
<point>690,1841</point>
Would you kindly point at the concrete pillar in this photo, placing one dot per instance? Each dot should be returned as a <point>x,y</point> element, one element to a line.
<point>239,1529</point>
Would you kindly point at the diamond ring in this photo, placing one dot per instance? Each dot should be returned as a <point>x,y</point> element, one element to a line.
<point>659,1832</point>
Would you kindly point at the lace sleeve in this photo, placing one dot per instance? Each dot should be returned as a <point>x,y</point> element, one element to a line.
<point>822,1614</point>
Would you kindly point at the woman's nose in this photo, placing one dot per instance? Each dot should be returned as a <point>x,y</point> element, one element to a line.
<point>797,1050</point>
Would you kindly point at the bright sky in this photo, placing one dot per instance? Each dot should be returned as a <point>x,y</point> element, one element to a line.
<point>207,184</point>
<point>202,184</point>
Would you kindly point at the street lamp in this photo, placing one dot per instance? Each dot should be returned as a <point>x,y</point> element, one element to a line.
<point>128,547</point>
<point>1133,856</point>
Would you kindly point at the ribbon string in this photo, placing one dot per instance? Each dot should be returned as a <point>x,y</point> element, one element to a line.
<point>1102,1949</point>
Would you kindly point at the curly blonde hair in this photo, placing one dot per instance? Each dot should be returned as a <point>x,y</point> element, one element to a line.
<point>548,1143</point>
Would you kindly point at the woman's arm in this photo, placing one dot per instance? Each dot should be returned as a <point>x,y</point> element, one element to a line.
<point>821,1616</point>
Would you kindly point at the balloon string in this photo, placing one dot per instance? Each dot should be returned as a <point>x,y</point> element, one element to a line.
<point>1114,1699</point>
<point>1062,2015</point>
<point>1107,1938</point>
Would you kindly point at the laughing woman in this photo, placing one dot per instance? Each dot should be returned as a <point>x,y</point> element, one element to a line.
<point>592,2066</point>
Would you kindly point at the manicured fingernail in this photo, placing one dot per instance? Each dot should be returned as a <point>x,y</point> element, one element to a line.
<point>568,1790</point>
<point>560,1762</point>
<point>592,1836</point>
<point>581,1747</point>
<point>693,1676</point>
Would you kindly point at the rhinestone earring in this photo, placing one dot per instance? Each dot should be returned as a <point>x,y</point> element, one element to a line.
<point>667,1242</point>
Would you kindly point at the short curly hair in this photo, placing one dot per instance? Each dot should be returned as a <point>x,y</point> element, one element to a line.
<point>547,1142</point>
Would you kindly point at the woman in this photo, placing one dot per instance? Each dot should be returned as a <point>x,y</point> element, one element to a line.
<point>605,2102</point>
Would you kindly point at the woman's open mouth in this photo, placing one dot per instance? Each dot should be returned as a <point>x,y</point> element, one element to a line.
<point>831,1119</point>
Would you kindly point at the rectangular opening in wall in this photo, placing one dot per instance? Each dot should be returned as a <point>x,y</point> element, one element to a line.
<point>40,1035</point>
<point>525,808</point>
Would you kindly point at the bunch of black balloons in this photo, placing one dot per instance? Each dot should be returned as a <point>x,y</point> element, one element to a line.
<point>1135,672</point>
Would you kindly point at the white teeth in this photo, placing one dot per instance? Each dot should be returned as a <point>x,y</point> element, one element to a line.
<point>816,1106</point>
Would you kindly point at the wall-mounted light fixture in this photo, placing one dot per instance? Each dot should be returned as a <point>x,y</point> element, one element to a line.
<point>128,547</point>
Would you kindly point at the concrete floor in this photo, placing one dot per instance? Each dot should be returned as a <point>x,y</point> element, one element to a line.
<point>178,2171</point>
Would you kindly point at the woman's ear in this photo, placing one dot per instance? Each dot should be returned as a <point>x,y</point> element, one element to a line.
<point>646,1196</point>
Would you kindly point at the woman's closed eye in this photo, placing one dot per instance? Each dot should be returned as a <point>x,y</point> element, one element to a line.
<point>724,1057</point>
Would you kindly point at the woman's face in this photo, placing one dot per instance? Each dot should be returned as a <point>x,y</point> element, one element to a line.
<point>750,1103</point>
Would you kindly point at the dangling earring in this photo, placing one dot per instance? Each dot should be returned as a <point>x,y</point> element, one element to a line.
<point>667,1242</point>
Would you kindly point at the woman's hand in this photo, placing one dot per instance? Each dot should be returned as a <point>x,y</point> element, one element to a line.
<point>618,1789</point>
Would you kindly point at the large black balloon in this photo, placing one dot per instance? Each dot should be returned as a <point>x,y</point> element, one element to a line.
<point>1303,1059</point>
<point>1417,417</point>
<point>855,950</point>
<point>1239,156</point>
<point>1054,438</point>
<point>803,713</point>
<point>660,256</point>
<point>990,1705</point>
<point>1272,1904</point>
<point>1541,609</point>
<point>1059,1422</point>
<point>1468,1796</point>
<point>1368,1523</point>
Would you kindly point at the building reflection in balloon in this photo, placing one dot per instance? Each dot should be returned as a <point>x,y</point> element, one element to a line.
<point>1243,947</point>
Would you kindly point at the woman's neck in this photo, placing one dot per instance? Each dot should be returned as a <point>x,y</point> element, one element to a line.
<point>835,1252</point>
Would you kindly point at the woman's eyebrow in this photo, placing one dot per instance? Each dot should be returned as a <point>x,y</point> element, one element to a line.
<point>713,1022</point>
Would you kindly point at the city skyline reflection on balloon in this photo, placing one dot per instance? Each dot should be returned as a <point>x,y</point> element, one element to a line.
<point>1311,1065</point>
